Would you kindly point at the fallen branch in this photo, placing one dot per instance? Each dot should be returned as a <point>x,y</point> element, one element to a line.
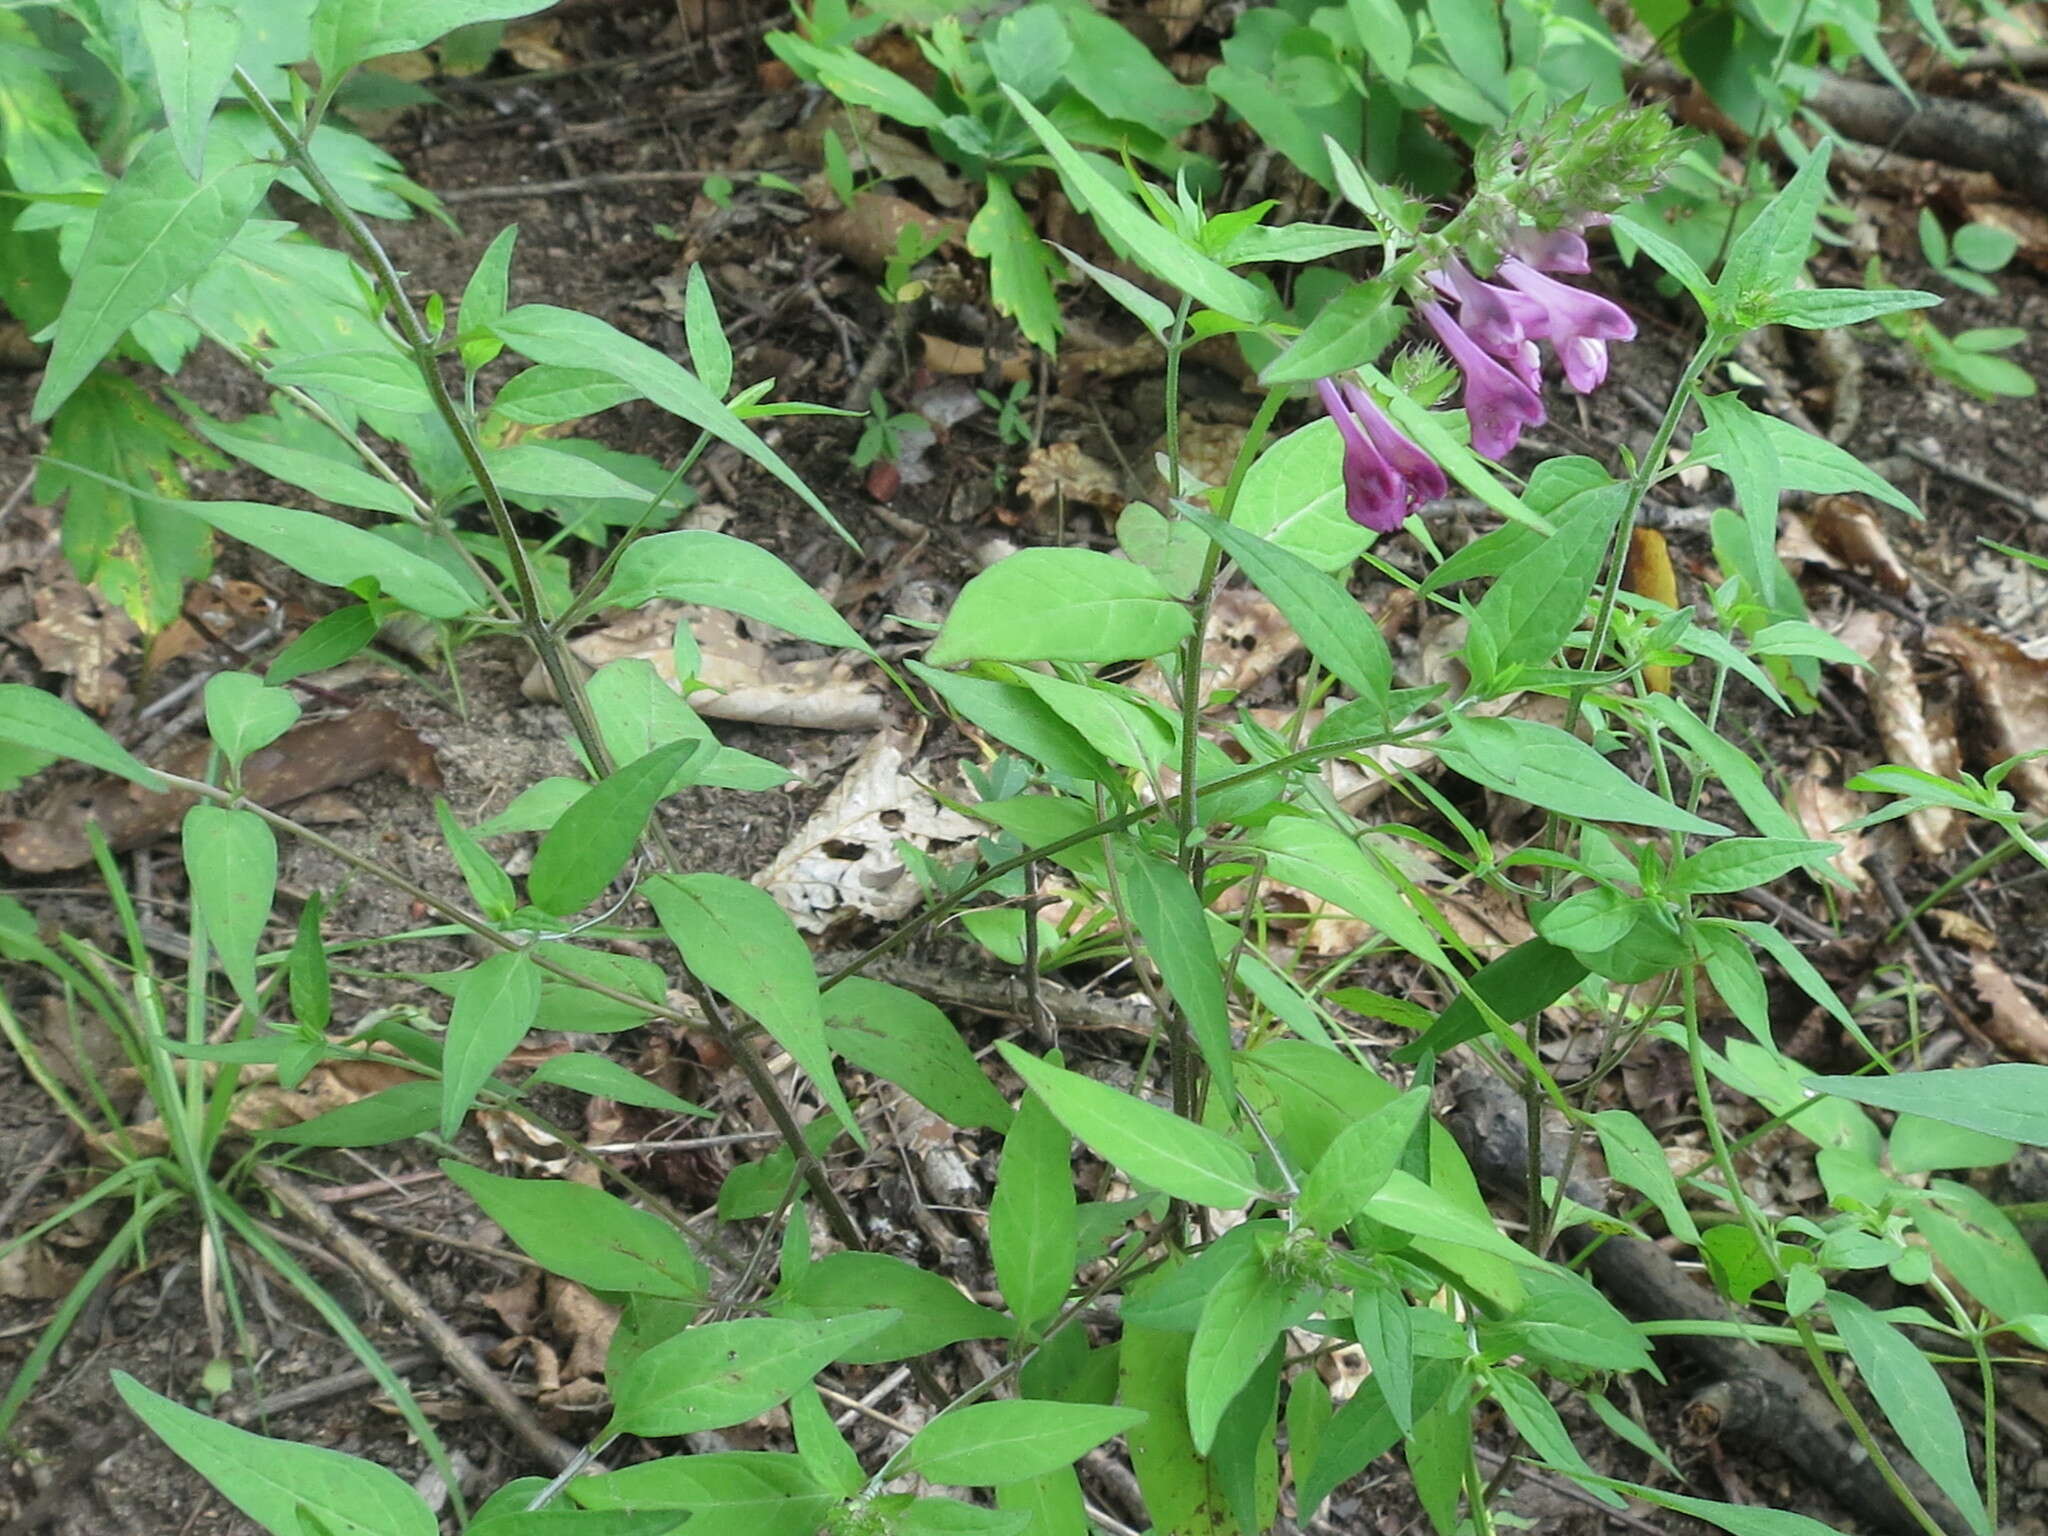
<point>1754,1398</point>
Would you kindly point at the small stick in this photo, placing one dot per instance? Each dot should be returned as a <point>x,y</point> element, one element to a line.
<point>596,181</point>
<point>429,1324</point>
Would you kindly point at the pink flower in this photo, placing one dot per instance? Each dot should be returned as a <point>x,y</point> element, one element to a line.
<point>1497,403</point>
<point>1552,250</point>
<point>1386,476</point>
<point>1495,317</point>
<point>1577,323</point>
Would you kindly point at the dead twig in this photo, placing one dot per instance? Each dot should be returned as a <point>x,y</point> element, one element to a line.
<point>556,1452</point>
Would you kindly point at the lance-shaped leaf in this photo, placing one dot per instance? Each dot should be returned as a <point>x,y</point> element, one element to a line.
<point>584,851</point>
<point>495,1004</point>
<point>719,1374</point>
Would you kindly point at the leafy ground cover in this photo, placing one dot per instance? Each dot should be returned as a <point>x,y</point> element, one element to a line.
<point>946,1178</point>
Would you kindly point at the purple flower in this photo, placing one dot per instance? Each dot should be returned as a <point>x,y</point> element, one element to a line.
<point>1497,403</point>
<point>1386,476</point>
<point>1552,250</point>
<point>1577,323</point>
<point>1497,318</point>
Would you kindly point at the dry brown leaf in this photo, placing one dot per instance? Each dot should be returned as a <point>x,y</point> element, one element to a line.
<point>1916,737</point>
<point>1823,807</point>
<point>1062,472</point>
<point>954,357</point>
<point>536,43</point>
<point>2012,690</point>
<point>32,1272</point>
<point>1208,451</point>
<point>1648,573</point>
<point>2016,1026</point>
<point>843,861</point>
<point>1961,928</point>
<point>74,633</point>
<point>742,681</point>
<point>1854,540</point>
<point>867,233</point>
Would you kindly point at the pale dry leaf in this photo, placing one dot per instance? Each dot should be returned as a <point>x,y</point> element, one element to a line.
<point>1917,737</point>
<point>584,1322</point>
<point>2012,690</point>
<point>1851,534</point>
<point>954,357</point>
<point>1961,928</point>
<point>844,862</point>
<point>33,1272</point>
<point>76,634</point>
<point>1208,451</point>
<point>743,681</point>
<point>535,42</point>
<point>1061,472</point>
<point>1823,807</point>
<point>2016,1026</point>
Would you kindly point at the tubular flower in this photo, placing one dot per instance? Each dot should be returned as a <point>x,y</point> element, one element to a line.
<point>1577,323</point>
<point>1386,476</point>
<point>1497,403</point>
<point>1497,318</point>
<point>1552,250</point>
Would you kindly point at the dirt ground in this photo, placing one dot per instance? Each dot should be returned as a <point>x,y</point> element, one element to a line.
<point>637,95</point>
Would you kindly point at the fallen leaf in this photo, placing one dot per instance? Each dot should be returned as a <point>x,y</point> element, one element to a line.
<point>1823,806</point>
<point>844,860</point>
<point>1648,573</point>
<point>1854,540</point>
<point>944,356</point>
<point>76,634</point>
<point>1062,472</point>
<point>1961,928</point>
<point>740,679</point>
<point>2012,690</point>
<point>867,233</point>
<point>1916,737</point>
<point>2016,1026</point>
<point>323,755</point>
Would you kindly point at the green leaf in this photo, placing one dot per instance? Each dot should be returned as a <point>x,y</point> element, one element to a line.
<point>1635,1158</point>
<point>571,339</point>
<point>1518,985</point>
<point>270,1481</point>
<point>543,395</point>
<point>483,306</point>
<point>579,1522</point>
<point>1739,1519</point>
<point>822,1447</point>
<point>192,48</point>
<point>1360,1160</point>
<point>744,947</point>
<point>710,352</point>
<point>719,571</point>
<point>1825,309</point>
<point>1019,719</point>
<point>859,81</point>
<point>548,476</point>
<point>985,1445</point>
<point>1170,918</point>
<point>1325,862</point>
<point>292,447</point>
<point>231,860</point>
<point>391,1114</point>
<point>1152,1145</point>
<point>1061,605</point>
<point>1020,271</point>
<point>372,378</point>
<point>1407,1204</point>
<point>327,642</point>
<point>155,231</point>
<point>1125,727</point>
<point>1386,1332</point>
<point>489,886</point>
<point>495,1004</point>
<point>1332,623</point>
<point>601,1077</point>
<point>904,1039</point>
<point>43,722</point>
<point>1736,770</point>
<point>332,552</point>
<point>1124,220</point>
<point>586,1235</point>
<point>1538,1423</point>
<point>1033,1230</point>
<point>926,1310</point>
<point>763,1493</point>
<point>346,32</point>
<point>585,850</point>
<point>715,1375</point>
<point>1240,1319</point>
<point>1738,863</point>
<point>1352,329</point>
<point>1911,1393</point>
<point>1769,256</point>
<point>1981,1249</point>
<point>1555,771</point>
<point>243,716</point>
<point>1533,608</point>
<point>1183,1491</point>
